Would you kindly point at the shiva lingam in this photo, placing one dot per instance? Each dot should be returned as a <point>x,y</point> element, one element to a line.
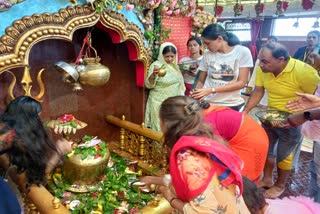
<point>86,164</point>
<point>86,70</point>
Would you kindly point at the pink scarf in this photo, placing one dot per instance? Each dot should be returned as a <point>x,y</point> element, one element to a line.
<point>228,163</point>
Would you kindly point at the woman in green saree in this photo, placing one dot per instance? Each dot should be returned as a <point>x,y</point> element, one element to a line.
<point>162,87</point>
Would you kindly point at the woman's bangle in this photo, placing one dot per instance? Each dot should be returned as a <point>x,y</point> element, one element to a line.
<point>172,199</point>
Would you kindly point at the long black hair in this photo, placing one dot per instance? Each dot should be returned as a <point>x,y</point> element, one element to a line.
<point>212,32</point>
<point>252,196</point>
<point>32,147</point>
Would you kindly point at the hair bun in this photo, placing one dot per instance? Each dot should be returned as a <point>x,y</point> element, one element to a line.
<point>192,107</point>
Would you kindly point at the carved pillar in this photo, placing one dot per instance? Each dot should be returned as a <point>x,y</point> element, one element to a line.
<point>122,135</point>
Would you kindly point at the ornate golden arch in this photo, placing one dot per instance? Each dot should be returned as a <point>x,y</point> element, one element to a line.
<point>20,37</point>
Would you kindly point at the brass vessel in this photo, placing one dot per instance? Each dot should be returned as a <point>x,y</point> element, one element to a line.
<point>162,72</point>
<point>85,172</point>
<point>94,73</point>
<point>85,71</point>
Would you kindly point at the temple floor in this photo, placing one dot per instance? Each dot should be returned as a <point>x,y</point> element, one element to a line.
<point>300,179</point>
<point>299,182</point>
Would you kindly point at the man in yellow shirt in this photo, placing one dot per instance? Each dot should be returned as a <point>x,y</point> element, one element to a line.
<point>281,76</point>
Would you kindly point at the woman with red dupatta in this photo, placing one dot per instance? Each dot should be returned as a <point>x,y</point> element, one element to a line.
<point>205,175</point>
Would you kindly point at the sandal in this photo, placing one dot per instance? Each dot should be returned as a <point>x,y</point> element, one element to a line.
<point>263,184</point>
<point>273,192</point>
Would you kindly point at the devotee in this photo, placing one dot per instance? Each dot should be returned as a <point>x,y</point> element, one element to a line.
<point>8,202</point>
<point>257,204</point>
<point>272,39</point>
<point>162,87</point>
<point>310,129</point>
<point>26,148</point>
<point>205,174</point>
<point>282,77</point>
<point>224,69</point>
<point>303,53</point>
<point>189,74</point>
<point>264,101</point>
<point>244,136</point>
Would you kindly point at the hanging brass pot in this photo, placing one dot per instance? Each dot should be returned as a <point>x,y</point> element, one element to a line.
<point>86,70</point>
<point>93,72</point>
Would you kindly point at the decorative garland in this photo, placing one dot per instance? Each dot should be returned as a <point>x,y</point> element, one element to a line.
<point>158,35</point>
<point>259,7</point>
<point>307,4</point>
<point>281,6</point>
<point>237,9</point>
<point>200,20</point>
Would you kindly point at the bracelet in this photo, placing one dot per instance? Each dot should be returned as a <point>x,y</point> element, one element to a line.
<point>172,199</point>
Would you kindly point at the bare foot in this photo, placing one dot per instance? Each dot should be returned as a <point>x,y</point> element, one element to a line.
<point>274,192</point>
<point>265,183</point>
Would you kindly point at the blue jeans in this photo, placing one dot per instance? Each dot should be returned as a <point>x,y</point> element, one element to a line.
<point>314,190</point>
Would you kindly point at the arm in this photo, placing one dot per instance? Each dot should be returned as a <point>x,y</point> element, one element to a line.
<point>298,119</point>
<point>305,101</point>
<point>255,98</point>
<point>4,161</point>
<point>202,79</point>
<point>148,180</point>
<point>174,201</point>
<point>200,93</point>
<point>152,76</point>
<point>64,147</point>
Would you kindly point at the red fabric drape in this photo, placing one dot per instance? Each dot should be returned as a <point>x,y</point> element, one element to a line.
<point>255,29</point>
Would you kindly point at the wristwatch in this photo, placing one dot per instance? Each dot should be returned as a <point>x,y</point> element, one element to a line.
<point>213,90</point>
<point>307,115</point>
